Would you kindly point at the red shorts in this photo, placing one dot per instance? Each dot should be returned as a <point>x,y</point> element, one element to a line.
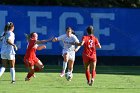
<point>31,62</point>
<point>89,59</point>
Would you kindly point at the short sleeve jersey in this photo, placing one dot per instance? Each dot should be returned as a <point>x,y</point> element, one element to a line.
<point>67,40</point>
<point>7,48</point>
<point>31,50</point>
<point>90,45</point>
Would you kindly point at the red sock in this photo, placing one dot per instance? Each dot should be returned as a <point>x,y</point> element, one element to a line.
<point>93,74</point>
<point>29,74</point>
<point>37,69</point>
<point>88,75</point>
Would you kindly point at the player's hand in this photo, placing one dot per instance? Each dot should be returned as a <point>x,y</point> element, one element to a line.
<point>44,47</point>
<point>76,50</point>
<point>55,39</point>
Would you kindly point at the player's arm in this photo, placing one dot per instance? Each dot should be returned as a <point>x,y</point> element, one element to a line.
<point>8,40</point>
<point>27,37</point>
<point>10,43</point>
<point>41,47</point>
<point>78,43</point>
<point>97,44</point>
<point>55,39</point>
<point>61,37</point>
<point>43,41</point>
<point>2,36</point>
<point>77,48</point>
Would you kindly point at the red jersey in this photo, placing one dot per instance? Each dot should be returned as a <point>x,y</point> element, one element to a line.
<point>30,55</point>
<point>90,45</point>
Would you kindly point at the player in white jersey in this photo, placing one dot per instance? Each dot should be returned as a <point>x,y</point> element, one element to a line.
<point>7,50</point>
<point>68,49</point>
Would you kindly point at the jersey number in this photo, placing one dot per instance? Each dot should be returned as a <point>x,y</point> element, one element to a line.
<point>90,43</point>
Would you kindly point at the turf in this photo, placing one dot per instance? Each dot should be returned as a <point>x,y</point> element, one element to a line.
<point>109,79</point>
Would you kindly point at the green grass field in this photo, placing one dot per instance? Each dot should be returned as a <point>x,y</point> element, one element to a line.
<point>109,79</point>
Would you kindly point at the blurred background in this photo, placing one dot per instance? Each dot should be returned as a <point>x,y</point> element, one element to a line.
<point>76,3</point>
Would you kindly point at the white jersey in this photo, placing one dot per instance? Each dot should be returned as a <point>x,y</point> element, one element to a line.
<point>67,40</point>
<point>7,48</point>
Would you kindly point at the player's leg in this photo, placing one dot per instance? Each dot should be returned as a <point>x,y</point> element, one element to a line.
<point>39,66</point>
<point>30,66</point>
<point>70,69</point>
<point>87,71</point>
<point>87,67</point>
<point>70,66</point>
<point>71,61</point>
<point>30,73</point>
<point>4,62</point>
<point>65,56</point>
<point>11,60</point>
<point>93,71</point>
<point>3,67</point>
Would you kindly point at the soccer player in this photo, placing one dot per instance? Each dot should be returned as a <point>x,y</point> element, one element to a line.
<point>30,59</point>
<point>69,50</point>
<point>7,50</point>
<point>90,43</point>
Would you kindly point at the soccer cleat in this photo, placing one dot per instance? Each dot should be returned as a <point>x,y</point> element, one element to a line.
<point>69,76</point>
<point>88,82</point>
<point>13,82</point>
<point>68,79</point>
<point>62,74</point>
<point>34,76</point>
<point>27,79</point>
<point>91,83</point>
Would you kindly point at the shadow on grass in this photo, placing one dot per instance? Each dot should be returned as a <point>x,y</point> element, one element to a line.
<point>120,70</point>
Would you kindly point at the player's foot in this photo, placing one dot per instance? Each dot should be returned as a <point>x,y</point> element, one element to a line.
<point>62,74</point>
<point>68,79</point>
<point>92,81</point>
<point>34,76</point>
<point>69,76</point>
<point>88,82</point>
<point>27,79</point>
<point>13,82</point>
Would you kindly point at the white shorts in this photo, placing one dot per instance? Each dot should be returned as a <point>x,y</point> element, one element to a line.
<point>71,54</point>
<point>8,56</point>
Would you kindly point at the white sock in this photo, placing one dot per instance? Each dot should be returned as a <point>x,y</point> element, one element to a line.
<point>70,71</point>
<point>12,71</point>
<point>64,66</point>
<point>2,70</point>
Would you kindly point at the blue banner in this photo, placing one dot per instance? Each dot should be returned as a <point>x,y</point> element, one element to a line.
<point>116,28</point>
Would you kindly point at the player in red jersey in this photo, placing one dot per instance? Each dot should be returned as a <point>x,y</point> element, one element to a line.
<point>30,59</point>
<point>90,43</point>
